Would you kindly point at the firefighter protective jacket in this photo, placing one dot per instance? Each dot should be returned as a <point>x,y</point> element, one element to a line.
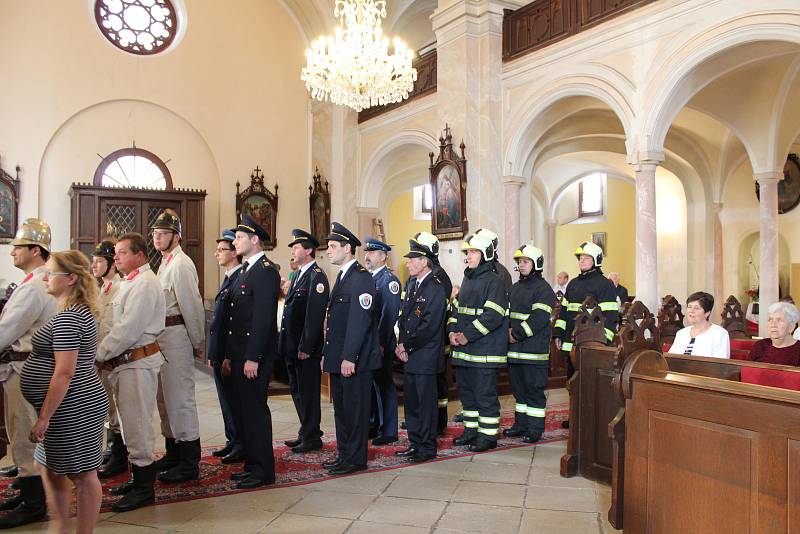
<point>593,283</point>
<point>532,301</point>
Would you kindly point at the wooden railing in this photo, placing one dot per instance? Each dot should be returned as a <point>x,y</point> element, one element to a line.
<point>544,22</point>
<point>425,84</point>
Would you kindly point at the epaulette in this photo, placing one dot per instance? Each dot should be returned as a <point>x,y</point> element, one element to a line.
<point>361,268</point>
<point>317,269</point>
<point>436,279</point>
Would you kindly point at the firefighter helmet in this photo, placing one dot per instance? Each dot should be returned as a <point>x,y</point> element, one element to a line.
<point>33,232</point>
<point>105,249</point>
<point>532,253</point>
<point>491,236</point>
<point>590,249</point>
<point>168,220</point>
<point>477,242</point>
<point>428,241</point>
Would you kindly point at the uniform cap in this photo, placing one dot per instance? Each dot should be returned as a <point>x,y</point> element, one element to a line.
<point>374,244</point>
<point>304,238</point>
<point>248,225</point>
<point>227,235</point>
<point>33,232</point>
<point>343,235</point>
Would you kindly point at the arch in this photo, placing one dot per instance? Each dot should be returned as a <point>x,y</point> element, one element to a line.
<point>561,191</point>
<point>747,239</point>
<point>373,177</point>
<point>670,93</point>
<point>133,151</point>
<point>537,103</point>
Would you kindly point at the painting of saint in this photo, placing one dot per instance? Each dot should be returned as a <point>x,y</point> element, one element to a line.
<point>319,220</point>
<point>7,207</point>
<point>448,198</point>
<point>261,210</point>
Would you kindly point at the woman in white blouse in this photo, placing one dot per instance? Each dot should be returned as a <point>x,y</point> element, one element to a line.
<point>701,337</point>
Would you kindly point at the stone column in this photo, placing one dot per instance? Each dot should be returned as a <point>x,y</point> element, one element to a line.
<point>768,244</point>
<point>719,269</point>
<point>646,237</point>
<point>550,251</point>
<point>511,239</point>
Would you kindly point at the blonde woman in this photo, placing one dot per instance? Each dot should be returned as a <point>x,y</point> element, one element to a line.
<point>59,379</point>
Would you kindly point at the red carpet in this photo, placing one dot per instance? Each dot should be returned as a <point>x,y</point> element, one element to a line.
<point>296,469</point>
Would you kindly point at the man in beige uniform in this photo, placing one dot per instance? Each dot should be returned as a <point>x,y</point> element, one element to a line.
<point>115,459</point>
<point>182,338</point>
<point>131,352</point>
<point>29,308</point>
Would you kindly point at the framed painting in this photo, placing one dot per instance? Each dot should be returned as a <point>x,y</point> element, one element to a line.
<point>448,179</point>
<point>789,187</point>
<point>599,239</point>
<point>319,209</point>
<point>259,203</point>
<point>9,202</point>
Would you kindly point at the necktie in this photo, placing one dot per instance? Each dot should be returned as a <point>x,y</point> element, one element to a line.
<point>339,278</point>
<point>244,267</point>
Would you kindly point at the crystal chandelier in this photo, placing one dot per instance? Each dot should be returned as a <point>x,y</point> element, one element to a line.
<point>353,67</point>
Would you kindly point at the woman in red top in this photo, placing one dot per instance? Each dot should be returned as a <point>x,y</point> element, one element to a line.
<point>780,347</point>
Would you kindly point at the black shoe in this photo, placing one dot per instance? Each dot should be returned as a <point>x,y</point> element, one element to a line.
<point>250,483</point>
<point>420,457</point>
<point>189,466</point>
<point>330,464</point>
<point>464,439</point>
<point>171,458</point>
<point>10,471</point>
<point>240,475</point>
<point>407,453</point>
<point>224,451</point>
<point>513,432</point>
<point>482,445</point>
<point>373,433</point>
<point>122,489</point>
<point>11,502</point>
<point>532,437</point>
<point>346,469</point>
<point>119,459</point>
<point>403,425</point>
<point>32,508</point>
<point>383,440</point>
<point>142,492</point>
<point>234,457</point>
<point>293,442</point>
<point>565,424</point>
<point>307,446</point>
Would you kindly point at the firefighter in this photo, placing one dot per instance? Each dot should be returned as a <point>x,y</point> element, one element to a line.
<point>532,301</point>
<point>478,332</point>
<point>499,268</point>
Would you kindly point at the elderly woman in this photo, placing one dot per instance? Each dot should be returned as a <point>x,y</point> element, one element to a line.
<point>701,337</point>
<point>60,381</point>
<point>780,347</point>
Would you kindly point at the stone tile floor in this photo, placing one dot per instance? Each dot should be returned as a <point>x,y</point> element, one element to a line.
<point>517,490</point>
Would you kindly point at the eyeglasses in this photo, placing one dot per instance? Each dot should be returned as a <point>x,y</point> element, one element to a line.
<point>162,232</point>
<point>51,274</point>
<point>221,249</point>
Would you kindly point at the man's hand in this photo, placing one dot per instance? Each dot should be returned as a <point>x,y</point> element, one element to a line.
<point>322,364</point>
<point>511,338</point>
<point>454,339</point>
<point>348,369</point>
<point>302,355</point>
<point>226,367</point>
<point>401,353</point>
<point>461,338</point>
<point>250,369</point>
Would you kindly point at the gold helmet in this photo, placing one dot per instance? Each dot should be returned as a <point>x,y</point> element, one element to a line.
<point>33,232</point>
<point>477,242</point>
<point>593,250</point>
<point>168,220</point>
<point>532,253</point>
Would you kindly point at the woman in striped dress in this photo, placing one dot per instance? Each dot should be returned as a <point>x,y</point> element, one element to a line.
<point>60,381</point>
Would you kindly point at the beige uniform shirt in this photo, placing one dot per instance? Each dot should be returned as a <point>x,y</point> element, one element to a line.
<point>178,277</point>
<point>26,311</point>
<point>108,291</point>
<point>139,312</point>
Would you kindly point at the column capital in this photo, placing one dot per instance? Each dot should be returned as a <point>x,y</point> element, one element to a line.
<point>646,165</point>
<point>717,206</point>
<point>768,176</point>
<point>518,181</point>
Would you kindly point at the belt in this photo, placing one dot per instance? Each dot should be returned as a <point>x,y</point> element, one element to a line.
<point>13,356</point>
<point>133,355</point>
<point>173,320</point>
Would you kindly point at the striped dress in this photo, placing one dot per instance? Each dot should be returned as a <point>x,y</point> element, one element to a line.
<point>73,441</point>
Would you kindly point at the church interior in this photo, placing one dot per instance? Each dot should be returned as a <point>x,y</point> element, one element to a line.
<point>665,131</point>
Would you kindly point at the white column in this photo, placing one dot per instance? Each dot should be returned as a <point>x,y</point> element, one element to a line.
<point>768,244</point>
<point>550,251</point>
<point>646,237</point>
<point>511,187</point>
<point>719,264</point>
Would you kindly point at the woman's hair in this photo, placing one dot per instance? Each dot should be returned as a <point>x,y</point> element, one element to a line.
<point>705,300</point>
<point>789,310</point>
<point>85,290</point>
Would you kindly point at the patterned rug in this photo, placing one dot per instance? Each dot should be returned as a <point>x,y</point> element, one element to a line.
<point>297,469</point>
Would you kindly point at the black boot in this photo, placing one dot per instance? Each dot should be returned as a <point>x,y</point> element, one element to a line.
<point>119,459</point>
<point>11,502</point>
<point>32,508</point>
<point>171,459</point>
<point>466,438</point>
<point>11,471</point>
<point>189,466</point>
<point>142,491</point>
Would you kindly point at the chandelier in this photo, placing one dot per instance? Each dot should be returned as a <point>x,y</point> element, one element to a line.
<point>353,67</point>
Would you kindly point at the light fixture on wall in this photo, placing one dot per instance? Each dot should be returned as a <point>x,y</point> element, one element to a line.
<point>353,67</point>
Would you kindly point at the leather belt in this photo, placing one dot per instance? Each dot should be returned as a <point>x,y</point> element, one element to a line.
<point>133,355</point>
<point>173,320</point>
<point>8,356</point>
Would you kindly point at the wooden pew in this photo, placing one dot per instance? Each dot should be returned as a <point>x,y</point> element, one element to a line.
<point>733,319</point>
<point>670,319</point>
<point>705,452</point>
<point>558,365</point>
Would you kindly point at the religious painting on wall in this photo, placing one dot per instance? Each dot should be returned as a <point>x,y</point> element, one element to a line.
<point>319,201</point>
<point>599,239</point>
<point>9,200</point>
<point>789,187</point>
<point>448,179</point>
<point>259,203</point>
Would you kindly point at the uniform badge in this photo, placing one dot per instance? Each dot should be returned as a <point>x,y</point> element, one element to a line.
<point>320,288</point>
<point>417,312</point>
<point>365,299</point>
<point>394,287</point>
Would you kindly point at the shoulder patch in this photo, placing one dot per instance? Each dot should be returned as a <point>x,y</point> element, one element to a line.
<point>365,299</point>
<point>361,268</point>
<point>394,287</point>
<point>320,288</point>
<point>317,269</point>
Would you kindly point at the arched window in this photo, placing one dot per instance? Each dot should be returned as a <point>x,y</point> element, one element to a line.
<point>133,167</point>
<point>590,195</point>
<point>142,27</point>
